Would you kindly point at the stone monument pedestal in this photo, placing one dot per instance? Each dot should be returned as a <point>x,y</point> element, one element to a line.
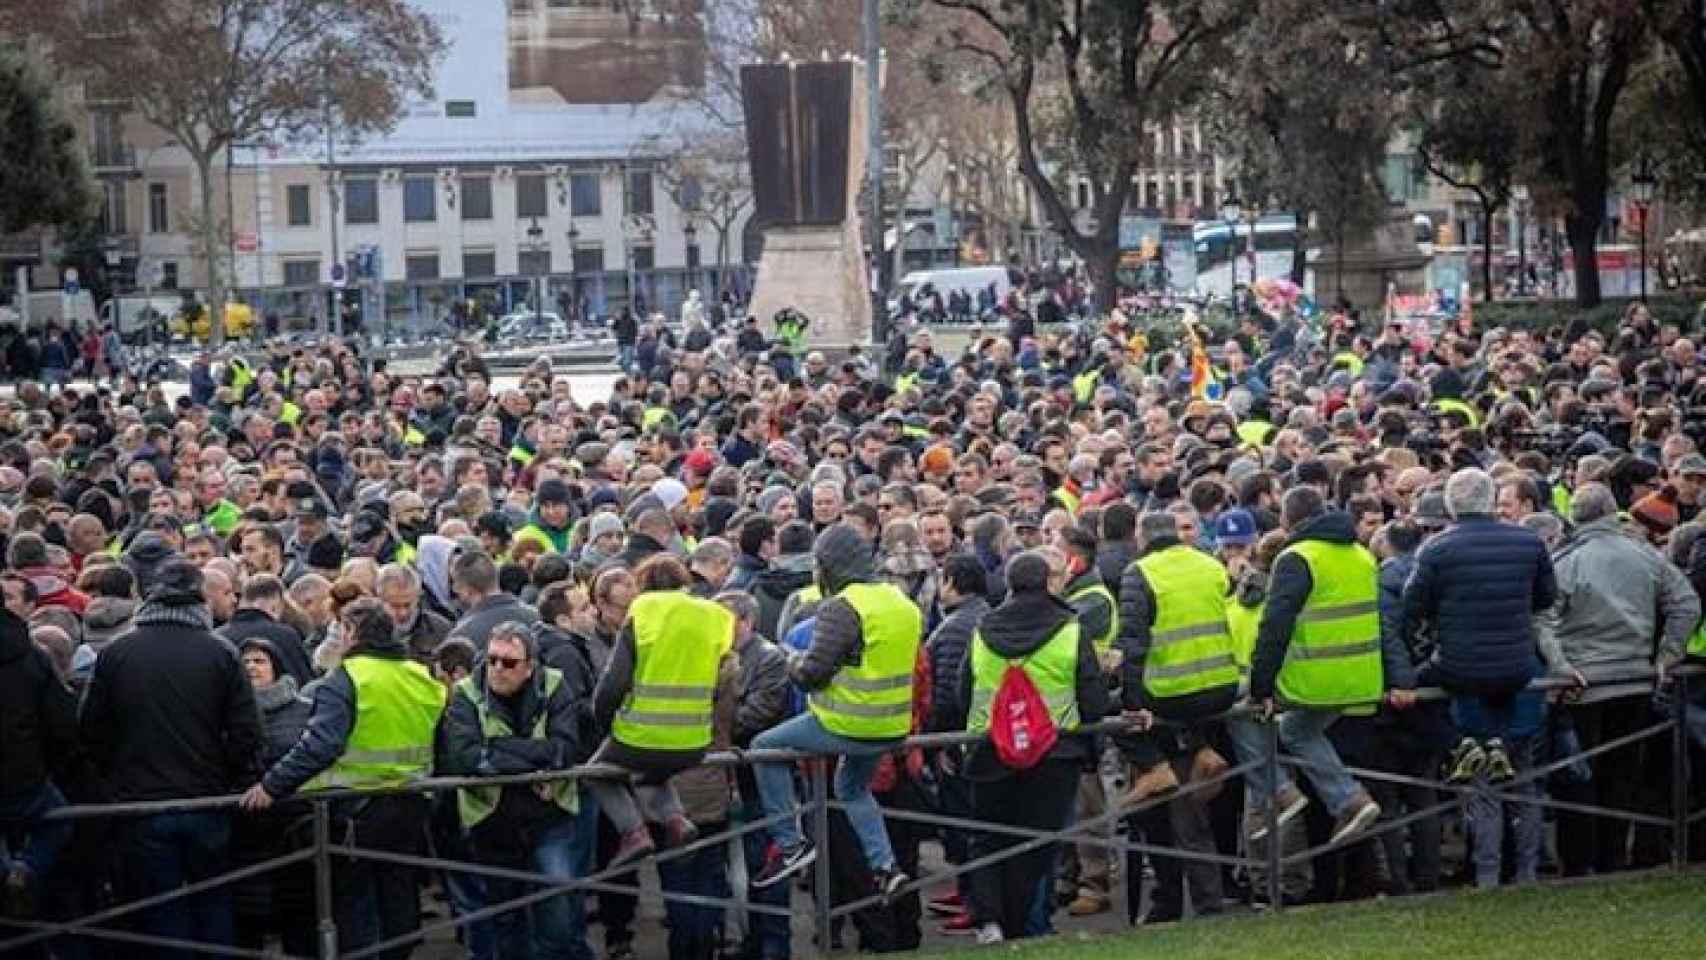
<point>819,271</point>
<point>1386,257</point>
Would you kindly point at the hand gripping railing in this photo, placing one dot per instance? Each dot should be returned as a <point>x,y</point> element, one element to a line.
<point>816,811</point>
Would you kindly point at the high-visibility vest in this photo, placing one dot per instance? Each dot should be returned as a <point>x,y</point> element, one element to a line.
<point>1254,432</point>
<point>290,413</point>
<point>534,531</point>
<point>1106,640</point>
<point>397,706</point>
<point>1697,643</point>
<point>1334,655</point>
<point>1066,498</point>
<point>405,554</point>
<point>477,803</point>
<point>1347,360</point>
<point>679,643</point>
<point>872,700</point>
<point>1084,385</point>
<point>414,437</point>
<point>1052,668</point>
<point>654,416</point>
<point>1453,405</point>
<point>905,382</point>
<point>1561,499</point>
<point>1190,645</point>
<point>223,518</point>
<point>520,454</point>
<point>241,376</point>
<point>1243,623</point>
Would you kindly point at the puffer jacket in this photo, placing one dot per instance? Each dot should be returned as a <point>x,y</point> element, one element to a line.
<point>1479,584</point>
<point>774,588</point>
<point>38,716</point>
<point>947,651</point>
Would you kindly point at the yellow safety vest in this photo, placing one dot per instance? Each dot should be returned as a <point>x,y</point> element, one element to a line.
<point>1106,640</point>
<point>1334,656</point>
<point>1697,643</point>
<point>241,376</point>
<point>1190,645</point>
<point>1052,668</point>
<point>290,413</point>
<point>679,644</point>
<point>475,804</point>
<point>1254,432</point>
<point>1067,499</point>
<point>1084,385</point>
<point>397,706</point>
<point>904,382</point>
<point>1347,360</point>
<point>872,700</point>
<point>414,437</point>
<point>654,416</point>
<point>1452,405</point>
<point>1561,499</point>
<point>405,554</point>
<point>1243,623</point>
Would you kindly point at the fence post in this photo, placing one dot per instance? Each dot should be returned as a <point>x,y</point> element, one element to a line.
<point>328,926</point>
<point>1679,772</point>
<point>1276,842</point>
<point>821,896</point>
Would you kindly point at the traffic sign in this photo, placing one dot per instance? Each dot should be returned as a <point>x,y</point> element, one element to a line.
<point>248,241</point>
<point>71,286</point>
<point>338,276</point>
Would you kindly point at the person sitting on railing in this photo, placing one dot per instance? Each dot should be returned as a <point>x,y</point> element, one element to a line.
<point>1318,647</point>
<point>372,726</point>
<point>515,715</point>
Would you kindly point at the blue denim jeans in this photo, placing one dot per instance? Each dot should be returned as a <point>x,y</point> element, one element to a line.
<point>1487,822</point>
<point>563,850</point>
<point>694,929</point>
<point>24,838</point>
<point>625,357</point>
<point>1303,734</point>
<point>859,760</point>
<point>167,851</point>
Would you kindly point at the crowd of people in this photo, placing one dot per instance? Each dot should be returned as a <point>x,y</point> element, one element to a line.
<point>310,572</point>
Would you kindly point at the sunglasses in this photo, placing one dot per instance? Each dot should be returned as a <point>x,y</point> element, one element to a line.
<point>507,663</point>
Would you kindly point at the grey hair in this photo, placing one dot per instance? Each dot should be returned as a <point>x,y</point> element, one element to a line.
<point>397,573</point>
<point>1469,491</point>
<point>741,604</point>
<point>1593,501</point>
<point>1156,524</point>
<point>989,531</point>
<point>1549,528</point>
<point>714,550</point>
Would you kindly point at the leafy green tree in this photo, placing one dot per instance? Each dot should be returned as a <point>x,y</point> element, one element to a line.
<point>44,179</point>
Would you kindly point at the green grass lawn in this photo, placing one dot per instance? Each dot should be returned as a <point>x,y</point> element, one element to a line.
<point>1647,919</point>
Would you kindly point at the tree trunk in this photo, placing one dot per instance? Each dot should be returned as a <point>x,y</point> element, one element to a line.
<point>210,248</point>
<point>1101,254</point>
<point>1487,214</point>
<point>1584,243</point>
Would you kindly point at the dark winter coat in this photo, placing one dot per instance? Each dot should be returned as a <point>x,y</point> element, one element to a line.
<point>1479,584</point>
<point>465,751</point>
<point>287,645</point>
<point>38,715</point>
<point>477,625</point>
<point>947,648</point>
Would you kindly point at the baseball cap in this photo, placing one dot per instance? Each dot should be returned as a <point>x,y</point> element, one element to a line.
<point>1235,527</point>
<point>312,507</point>
<point>699,462</point>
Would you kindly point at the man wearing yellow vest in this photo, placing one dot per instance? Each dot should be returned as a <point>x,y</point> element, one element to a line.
<point>372,726</point>
<point>671,663</point>
<point>1318,649</point>
<point>858,676</point>
<point>1099,622</point>
<point>515,715</point>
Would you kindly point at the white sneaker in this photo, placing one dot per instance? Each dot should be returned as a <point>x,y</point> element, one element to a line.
<point>989,933</point>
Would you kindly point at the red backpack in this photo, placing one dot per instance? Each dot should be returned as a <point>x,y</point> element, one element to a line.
<point>1020,724</point>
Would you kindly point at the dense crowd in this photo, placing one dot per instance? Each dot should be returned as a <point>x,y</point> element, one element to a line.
<point>311,572</point>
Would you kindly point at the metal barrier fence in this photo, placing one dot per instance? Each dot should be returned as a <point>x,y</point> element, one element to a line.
<point>815,814</point>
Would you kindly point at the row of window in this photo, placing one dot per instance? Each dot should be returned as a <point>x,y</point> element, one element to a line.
<point>483,264</point>
<point>472,196</point>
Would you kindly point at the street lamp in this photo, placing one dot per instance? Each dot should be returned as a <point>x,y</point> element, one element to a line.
<point>1519,194</point>
<point>690,233</point>
<point>574,276</point>
<point>536,244</point>
<point>1232,212</point>
<point>1642,183</point>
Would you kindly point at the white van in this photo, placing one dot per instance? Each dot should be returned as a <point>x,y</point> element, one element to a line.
<point>136,317</point>
<point>970,280</point>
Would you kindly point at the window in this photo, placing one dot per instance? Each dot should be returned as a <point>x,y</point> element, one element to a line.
<point>459,109</point>
<point>159,212</point>
<point>589,260</point>
<point>482,264</point>
<point>584,198</point>
<point>361,201</point>
<point>421,267</point>
<point>112,208</point>
<point>643,258</point>
<point>693,256</point>
<point>299,204</point>
<point>420,200</point>
<point>301,273</point>
<point>530,196</point>
<point>169,275</point>
<point>535,263</point>
<point>477,198</point>
<point>1083,195</point>
<point>640,191</point>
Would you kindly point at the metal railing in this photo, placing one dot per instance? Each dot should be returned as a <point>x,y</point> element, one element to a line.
<point>815,813</point>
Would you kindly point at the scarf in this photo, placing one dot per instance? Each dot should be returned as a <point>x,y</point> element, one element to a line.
<point>156,613</point>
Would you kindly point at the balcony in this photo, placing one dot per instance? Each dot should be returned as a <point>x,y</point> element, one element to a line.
<point>114,159</point>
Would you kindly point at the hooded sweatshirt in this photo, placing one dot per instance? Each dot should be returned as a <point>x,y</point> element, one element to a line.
<point>1018,628</point>
<point>842,557</point>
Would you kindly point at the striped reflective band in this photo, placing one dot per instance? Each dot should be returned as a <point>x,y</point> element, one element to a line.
<point>400,755</point>
<point>1343,611</point>
<point>1180,634</point>
<point>667,719</point>
<point>664,691</point>
<point>1191,668</point>
<point>875,684</point>
<point>876,711</point>
<point>1333,650</point>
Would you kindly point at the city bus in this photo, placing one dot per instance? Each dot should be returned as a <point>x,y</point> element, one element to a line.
<point>1276,251</point>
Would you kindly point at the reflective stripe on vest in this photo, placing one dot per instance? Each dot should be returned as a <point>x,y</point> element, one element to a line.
<point>1190,643</point>
<point>1334,655</point>
<point>872,700</point>
<point>1453,405</point>
<point>1242,623</point>
<point>477,803</point>
<point>679,643</point>
<point>1052,667</point>
<point>1104,642</point>
<point>397,706</point>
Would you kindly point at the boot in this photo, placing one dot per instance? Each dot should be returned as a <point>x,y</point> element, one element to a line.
<point>1206,765</point>
<point>1153,782</point>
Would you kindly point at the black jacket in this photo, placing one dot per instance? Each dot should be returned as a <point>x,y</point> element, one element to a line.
<point>38,715</point>
<point>764,690</point>
<point>465,751</point>
<point>477,625</point>
<point>1288,590</point>
<point>293,655</point>
<point>1015,630</point>
<point>773,586</point>
<point>571,655</point>
<point>169,712</point>
<point>1479,584</point>
<point>1112,558</point>
<point>947,648</point>
<point>640,548</point>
